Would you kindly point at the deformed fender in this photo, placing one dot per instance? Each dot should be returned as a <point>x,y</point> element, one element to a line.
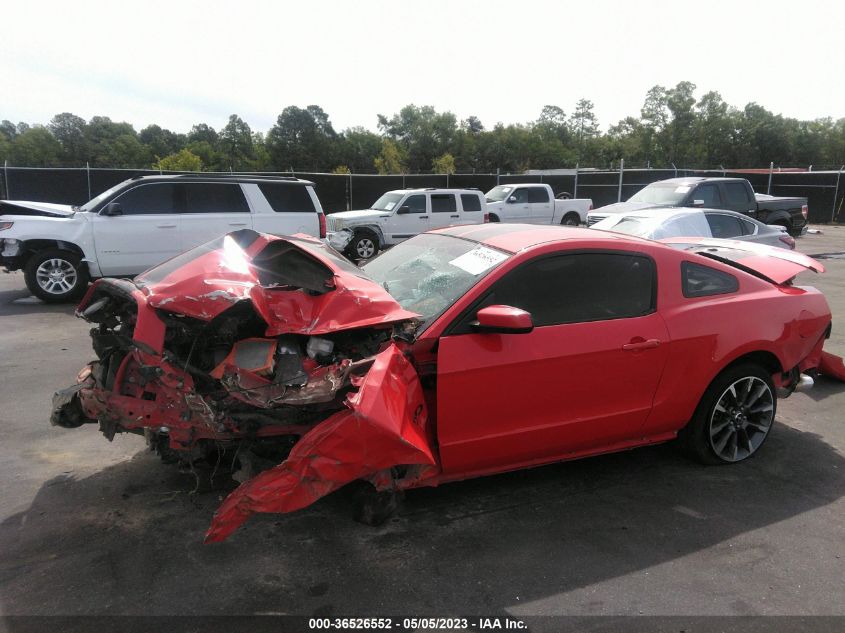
<point>832,366</point>
<point>384,426</point>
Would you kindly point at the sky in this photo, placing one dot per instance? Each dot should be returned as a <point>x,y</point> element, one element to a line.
<point>178,63</point>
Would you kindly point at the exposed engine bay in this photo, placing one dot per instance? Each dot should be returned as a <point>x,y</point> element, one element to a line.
<point>281,345</point>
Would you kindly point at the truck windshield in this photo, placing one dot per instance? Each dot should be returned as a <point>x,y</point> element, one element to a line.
<point>497,194</point>
<point>428,273</point>
<point>387,202</point>
<point>93,202</point>
<point>661,193</point>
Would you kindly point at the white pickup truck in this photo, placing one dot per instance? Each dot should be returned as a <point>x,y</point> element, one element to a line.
<point>535,203</point>
<point>400,214</point>
<point>142,222</point>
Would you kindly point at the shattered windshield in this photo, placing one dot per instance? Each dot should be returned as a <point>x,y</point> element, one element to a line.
<point>428,273</point>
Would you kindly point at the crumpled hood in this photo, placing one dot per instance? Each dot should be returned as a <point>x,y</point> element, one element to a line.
<point>623,207</point>
<point>25,207</point>
<point>298,285</point>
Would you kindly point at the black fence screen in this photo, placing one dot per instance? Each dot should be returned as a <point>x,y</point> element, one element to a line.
<point>340,192</point>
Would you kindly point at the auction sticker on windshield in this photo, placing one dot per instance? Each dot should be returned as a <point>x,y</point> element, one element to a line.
<point>478,260</point>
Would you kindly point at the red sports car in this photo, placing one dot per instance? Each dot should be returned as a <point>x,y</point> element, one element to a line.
<point>460,352</point>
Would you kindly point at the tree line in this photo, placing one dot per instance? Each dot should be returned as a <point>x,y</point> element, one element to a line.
<point>673,128</point>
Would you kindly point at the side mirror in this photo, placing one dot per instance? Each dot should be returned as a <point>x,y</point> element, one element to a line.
<point>498,319</point>
<point>403,210</point>
<point>111,209</point>
<point>512,200</point>
<point>698,203</point>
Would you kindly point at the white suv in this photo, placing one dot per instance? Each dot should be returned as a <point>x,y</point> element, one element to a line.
<point>142,222</point>
<point>403,213</point>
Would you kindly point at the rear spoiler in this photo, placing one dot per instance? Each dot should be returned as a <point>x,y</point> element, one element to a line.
<point>773,264</point>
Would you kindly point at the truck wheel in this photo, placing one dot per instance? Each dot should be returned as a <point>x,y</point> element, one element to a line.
<point>56,276</point>
<point>494,217</point>
<point>364,245</point>
<point>733,418</point>
<point>571,219</point>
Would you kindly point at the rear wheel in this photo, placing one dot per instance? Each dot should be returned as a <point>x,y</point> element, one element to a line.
<point>364,245</point>
<point>494,217</point>
<point>571,219</point>
<point>734,417</point>
<point>373,507</point>
<point>56,276</point>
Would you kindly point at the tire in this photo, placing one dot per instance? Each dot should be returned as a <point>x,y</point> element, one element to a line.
<point>372,507</point>
<point>571,219</point>
<point>56,276</point>
<point>733,418</point>
<point>364,245</point>
<point>494,217</point>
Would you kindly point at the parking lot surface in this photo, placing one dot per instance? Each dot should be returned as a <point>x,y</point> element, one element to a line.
<point>92,527</point>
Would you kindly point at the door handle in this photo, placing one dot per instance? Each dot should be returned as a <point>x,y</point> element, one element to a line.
<point>166,226</point>
<point>423,217</point>
<point>639,343</point>
<point>237,223</point>
<point>454,216</point>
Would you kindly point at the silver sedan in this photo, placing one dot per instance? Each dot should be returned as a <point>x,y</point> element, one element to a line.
<point>658,224</point>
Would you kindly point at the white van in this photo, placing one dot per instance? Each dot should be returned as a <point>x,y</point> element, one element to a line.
<point>403,213</point>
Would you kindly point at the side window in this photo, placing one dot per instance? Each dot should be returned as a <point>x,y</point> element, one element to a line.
<point>579,287</point>
<point>212,197</point>
<point>520,195</point>
<point>538,194</point>
<point>284,198</point>
<point>470,202</point>
<point>443,203</point>
<point>154,198</point>
<point>736,194</point>
<point>703,281</point>
<point>724,226</point>
<point>748,228</point>
<point>710,195</point>
<point>415,203</point>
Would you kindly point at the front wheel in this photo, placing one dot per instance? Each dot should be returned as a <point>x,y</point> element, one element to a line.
<point>364,245</point>
<point>734,417</point>
<point>56,276</point>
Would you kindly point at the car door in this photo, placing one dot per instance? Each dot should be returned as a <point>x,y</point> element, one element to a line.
<point>401,226</point>
<point>444,210</point>
<point>212,209</point>
<point>517,208</point>
<point>542,206</point>
<point>709,194</point>
<point>584,378</point>
<point>144,234</point>
<point>738,197</point>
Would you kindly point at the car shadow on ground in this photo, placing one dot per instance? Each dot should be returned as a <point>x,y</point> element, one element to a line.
<point>20,302</point>
<point>128,540</point>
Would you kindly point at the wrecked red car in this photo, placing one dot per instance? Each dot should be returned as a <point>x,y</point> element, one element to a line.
<point>460,352</point>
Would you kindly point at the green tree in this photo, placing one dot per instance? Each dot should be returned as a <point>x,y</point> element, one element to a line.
<point>680,101</point>
<point>654,116</point>
<point>35,147</point>
<point>159,141</point>
<point>423,132</point>
<point>183,160</point>
<point>302,138</point>
<point>236,143</point>
<point>358,148</point>
<point>112,144</point>
<point>391,158</point>
<point>341,169</point>
<point>585,127</point>
<point>69,131</point>
<point>444,164</point>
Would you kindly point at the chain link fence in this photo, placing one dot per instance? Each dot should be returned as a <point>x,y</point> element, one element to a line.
<point>825,190</point>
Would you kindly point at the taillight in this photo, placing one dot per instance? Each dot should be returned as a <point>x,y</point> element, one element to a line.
<point>322,218</point>
<point>805,211</point>
<point>788,240</point>
<point>590,208</point>
<point>486,218</point>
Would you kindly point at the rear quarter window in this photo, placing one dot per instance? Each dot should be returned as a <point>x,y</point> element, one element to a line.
<point>285,198</point>
<point>703,281</point>
<point>470,202</point>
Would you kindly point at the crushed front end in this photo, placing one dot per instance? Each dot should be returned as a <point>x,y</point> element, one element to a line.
<point>274,354</point>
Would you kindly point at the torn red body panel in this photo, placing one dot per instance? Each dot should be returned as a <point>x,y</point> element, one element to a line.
<point>385,426</point>
<point>832,365</point>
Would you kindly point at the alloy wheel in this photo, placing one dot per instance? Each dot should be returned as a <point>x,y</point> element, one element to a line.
<point>741,419</point>
<point>56,276</point>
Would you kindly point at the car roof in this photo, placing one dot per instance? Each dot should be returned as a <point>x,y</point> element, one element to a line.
<point>519,237</point>
<point>436,189</point>
<point>691,180</point>
<point>201,177</point>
